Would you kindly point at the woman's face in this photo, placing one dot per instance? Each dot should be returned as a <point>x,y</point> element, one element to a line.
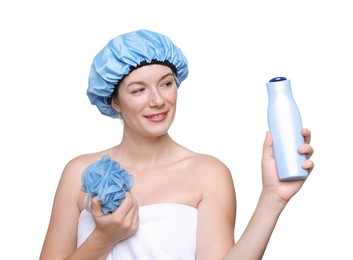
<point>146,100</point>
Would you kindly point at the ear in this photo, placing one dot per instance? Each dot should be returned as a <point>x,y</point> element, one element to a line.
<point>115,104</point>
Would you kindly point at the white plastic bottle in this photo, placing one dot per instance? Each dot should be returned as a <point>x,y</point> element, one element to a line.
<point>285,124</point>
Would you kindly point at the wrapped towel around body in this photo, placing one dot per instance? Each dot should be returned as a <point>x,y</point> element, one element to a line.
<point>167,231</point>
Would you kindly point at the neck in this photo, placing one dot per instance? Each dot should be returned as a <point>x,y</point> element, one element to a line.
<point>138,151</point>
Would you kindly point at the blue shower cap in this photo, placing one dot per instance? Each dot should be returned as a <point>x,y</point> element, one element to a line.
<point>123,54</point>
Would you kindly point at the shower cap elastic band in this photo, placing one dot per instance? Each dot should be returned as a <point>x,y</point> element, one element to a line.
<point>123,54</point>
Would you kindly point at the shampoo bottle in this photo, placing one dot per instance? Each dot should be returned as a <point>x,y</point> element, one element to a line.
<point>285,124</point>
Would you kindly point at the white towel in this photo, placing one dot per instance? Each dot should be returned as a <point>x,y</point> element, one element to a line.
<point>167,231</point>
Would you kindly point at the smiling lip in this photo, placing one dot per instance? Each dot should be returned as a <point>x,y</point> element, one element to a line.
<point>157,117</point>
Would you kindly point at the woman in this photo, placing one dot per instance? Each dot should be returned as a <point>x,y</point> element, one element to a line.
<point>182,204</point>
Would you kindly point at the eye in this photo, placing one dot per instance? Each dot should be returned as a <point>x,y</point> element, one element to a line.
<point>167,84</point>
<point>137,91</point>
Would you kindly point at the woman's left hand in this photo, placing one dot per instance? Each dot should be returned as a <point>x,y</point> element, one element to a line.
<point>285,190</point>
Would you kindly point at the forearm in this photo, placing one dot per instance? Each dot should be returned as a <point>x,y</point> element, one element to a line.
<point>253,242</point>
<point>93,248</point>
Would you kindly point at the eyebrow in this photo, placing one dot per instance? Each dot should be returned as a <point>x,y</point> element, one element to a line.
<point>141,82</point>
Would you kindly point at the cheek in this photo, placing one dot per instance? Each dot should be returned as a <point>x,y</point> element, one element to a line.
<point>130,108</point>
<point>171,96</point>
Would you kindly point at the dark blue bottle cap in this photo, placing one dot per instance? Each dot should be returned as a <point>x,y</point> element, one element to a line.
<point>278,79</point>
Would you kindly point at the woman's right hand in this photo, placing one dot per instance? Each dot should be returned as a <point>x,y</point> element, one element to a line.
<point>119,225</point>
<point>284,190</point>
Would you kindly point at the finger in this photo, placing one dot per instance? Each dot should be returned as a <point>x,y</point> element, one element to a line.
<point>134,209</point>
<point>126,205</point>
<point>267,145</point>
<point>306,149</point>
<point>308,165</point>
<point>133,216</point>
<point>306,134</point>
<point>136,221</point>
<point>97,207</point>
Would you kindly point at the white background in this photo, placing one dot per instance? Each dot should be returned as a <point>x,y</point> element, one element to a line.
<point>233,48</point>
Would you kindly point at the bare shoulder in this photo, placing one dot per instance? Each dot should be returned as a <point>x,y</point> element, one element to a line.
<point>72,172</point>
<point>215,180</point>
<point>68,194</point>
<point>78,164</point>
<point>211,174</point>
<point>210,168</point>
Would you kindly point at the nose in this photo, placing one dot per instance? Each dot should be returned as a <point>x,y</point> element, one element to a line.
<point>156,99</point>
